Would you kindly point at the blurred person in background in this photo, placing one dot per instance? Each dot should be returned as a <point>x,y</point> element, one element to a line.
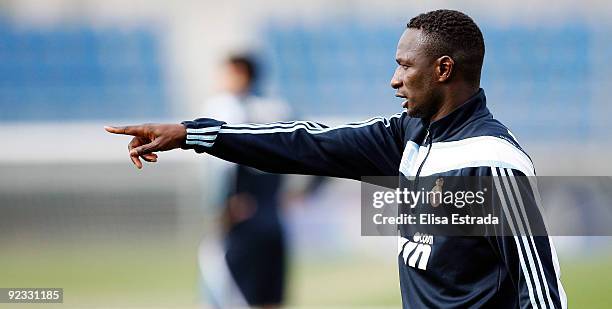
<point>255,246</point>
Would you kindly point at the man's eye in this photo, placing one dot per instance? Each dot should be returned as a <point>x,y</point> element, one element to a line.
<point>404,66</point>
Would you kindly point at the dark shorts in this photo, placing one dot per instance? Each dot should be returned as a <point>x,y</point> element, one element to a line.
<point>257,260</point>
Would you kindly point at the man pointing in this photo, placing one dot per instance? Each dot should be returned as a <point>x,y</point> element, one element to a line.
<point>447,130</point>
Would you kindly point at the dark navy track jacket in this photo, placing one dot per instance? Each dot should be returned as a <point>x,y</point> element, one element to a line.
<point>519,271</point>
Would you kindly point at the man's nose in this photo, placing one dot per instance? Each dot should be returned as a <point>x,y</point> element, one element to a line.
<point>396,82</point>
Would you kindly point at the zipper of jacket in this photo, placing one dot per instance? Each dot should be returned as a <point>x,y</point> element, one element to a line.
<point>428,142</point>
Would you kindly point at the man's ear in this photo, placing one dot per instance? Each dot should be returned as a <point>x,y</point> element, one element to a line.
<point>444,68</point>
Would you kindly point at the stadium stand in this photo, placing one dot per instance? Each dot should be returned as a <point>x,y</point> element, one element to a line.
<point>79,73</point>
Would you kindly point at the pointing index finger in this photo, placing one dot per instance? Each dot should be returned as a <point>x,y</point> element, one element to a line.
<point>127,130</point>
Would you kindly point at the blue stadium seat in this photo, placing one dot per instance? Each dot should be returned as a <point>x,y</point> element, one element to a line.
<point>79,73</point>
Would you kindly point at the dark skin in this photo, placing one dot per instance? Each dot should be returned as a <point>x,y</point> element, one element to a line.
<point>431,86</point>
<point>151,138</point>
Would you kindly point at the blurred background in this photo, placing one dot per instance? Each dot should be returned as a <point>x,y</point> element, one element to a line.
<point>75,214</point>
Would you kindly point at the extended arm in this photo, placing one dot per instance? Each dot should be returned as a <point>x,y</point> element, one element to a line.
<point>353,150</point>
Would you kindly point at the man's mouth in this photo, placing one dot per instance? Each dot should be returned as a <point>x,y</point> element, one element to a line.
<point>405,102</point>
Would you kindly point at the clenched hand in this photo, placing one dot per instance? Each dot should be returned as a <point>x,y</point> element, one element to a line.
<point>151,138</point>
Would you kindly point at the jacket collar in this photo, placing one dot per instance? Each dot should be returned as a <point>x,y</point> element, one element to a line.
<point>474,108</point>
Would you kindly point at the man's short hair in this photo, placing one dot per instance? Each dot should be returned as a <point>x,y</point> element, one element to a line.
<point>454,34</point>
<point>247,63</point>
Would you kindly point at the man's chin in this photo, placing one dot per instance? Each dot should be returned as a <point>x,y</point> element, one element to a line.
<point>414,113</point>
